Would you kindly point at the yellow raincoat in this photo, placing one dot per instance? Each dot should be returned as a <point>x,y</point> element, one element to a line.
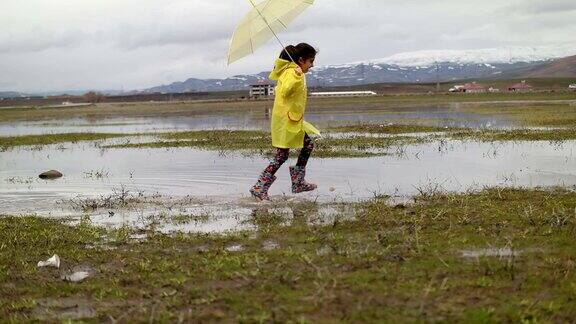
<point>288,126</point>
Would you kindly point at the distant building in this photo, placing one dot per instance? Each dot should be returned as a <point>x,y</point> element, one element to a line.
<point>343,94</point>
<point>456,88</point>
<point>520,87</point>
<point>261,89</point>
<point>493,90</point>
<point>469,88</point>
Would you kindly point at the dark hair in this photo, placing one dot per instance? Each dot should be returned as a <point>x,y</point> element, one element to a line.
<point>301,51</point>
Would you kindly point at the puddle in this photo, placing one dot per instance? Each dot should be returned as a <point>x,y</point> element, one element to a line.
<point>76,276</point>
<point>491,252</point>
<point>331,214</point>
<point>215,215</point>
<point>101,247</point>
<point>192,190</point>
<point>324,250</point>
<point>270,245</point>
<point>139,237</point>
<point>134,125</point>
<point>234,248</point>
<point>63,308</point>
<point>448,115</point>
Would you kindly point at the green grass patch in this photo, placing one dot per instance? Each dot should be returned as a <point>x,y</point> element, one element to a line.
<point>390,128</point>
<point>7,142</point>
<point>552,135</point>
<point>535,114</point>
<point>336,143</point>
<point>400,263</point>
<point>259,143</point>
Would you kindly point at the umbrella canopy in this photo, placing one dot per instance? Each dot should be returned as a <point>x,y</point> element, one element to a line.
<point>263,22</point>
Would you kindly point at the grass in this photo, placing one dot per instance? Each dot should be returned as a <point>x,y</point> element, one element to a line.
<point>258,143</point>
<point>121,197</point>
<point>391,263</point>
<point>390,128</point>
<point>486,135</point>
<point>7,142</point>
<point>541,114</point>
<point>353,144</point>
<point>550,135</point>
<point>96,174</point>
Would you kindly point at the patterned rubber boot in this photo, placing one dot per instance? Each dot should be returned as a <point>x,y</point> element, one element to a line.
<point>260,189</point>
<point>297,175</point>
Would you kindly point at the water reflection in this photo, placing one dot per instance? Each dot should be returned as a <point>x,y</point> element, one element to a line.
<point>441,115</point>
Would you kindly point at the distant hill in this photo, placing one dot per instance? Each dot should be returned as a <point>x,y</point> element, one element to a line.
<point>413,67</point>
<point>559,68</point>
<point>10,94</point>
<point>238,82</point>
<point>362,74</point>
<point>355,74</point>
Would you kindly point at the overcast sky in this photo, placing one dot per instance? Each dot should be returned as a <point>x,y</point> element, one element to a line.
<point>48,45</point>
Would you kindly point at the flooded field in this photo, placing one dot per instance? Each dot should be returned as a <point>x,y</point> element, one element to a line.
<point>218,180</point>
<point>430,212</point>
<point>446,114</point>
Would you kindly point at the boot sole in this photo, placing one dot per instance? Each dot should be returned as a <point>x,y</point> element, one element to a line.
<point>254,195</point>
<point>301,191</point>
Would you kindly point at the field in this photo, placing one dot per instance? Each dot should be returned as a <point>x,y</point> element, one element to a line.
<point>430,208</point>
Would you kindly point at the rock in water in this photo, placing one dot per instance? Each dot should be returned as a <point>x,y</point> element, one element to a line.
<point>52,174</point>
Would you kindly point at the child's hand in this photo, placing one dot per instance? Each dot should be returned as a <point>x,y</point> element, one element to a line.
<point>298,71</point>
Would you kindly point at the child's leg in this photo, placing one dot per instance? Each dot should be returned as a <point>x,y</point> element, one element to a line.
<point>260,189</point>
<point>279,159</point>
<point>305,151</point>
<point>298,172</point>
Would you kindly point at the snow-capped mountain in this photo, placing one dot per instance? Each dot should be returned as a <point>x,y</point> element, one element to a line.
<point>238,82</point>
<point>503,55</point>
<point>412,67</point>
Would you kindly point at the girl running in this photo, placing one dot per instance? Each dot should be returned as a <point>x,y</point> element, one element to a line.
<point>289,130</point>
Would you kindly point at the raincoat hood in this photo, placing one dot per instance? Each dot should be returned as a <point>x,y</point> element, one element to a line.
<point>280,66</point>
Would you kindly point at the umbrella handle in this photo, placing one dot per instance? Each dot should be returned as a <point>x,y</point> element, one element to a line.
<point>272,30</point>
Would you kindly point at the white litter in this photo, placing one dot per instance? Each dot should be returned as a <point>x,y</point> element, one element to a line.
<point>54,261</point>
<point>76,276</point>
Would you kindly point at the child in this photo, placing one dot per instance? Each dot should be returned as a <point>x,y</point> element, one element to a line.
<point>289,130</point>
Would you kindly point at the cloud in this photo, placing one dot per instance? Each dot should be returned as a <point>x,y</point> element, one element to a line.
<point>39,40</point>
<point>538,7</point>
<point>47,44</point>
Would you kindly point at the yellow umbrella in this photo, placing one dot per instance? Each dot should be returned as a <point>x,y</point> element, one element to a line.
<point>263,22</point>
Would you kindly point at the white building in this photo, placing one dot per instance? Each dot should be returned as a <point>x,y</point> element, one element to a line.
<point>456,88</point>
<point>263,89</point>
<point>343,94</point>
